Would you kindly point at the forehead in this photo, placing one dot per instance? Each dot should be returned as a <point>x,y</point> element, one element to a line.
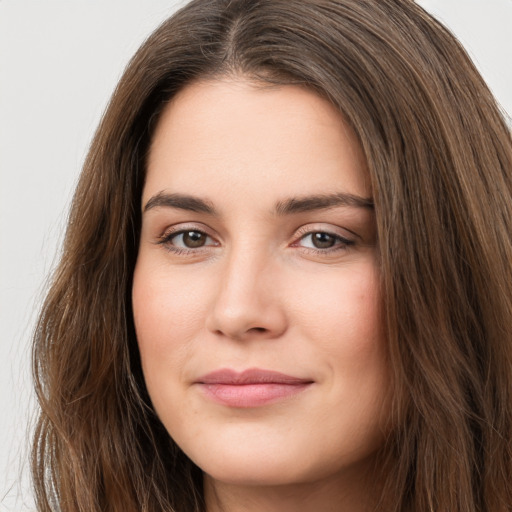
<point>253,139</point>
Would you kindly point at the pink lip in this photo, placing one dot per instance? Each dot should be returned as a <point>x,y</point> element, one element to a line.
<point>251,388</point>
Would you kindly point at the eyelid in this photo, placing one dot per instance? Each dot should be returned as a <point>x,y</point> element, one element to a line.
<point>342,241</point>
<point>187,226</point>
<point>330,229</point>
<point>175,230</point>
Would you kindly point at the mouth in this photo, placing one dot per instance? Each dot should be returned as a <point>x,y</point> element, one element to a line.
<point>251,388</point>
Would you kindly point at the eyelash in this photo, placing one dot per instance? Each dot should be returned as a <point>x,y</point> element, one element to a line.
<point>340,243</point>
<point>166,241</point>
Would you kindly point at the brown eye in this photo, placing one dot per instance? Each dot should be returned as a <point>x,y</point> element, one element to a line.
<point>193,239</point>
<point>322,240</point>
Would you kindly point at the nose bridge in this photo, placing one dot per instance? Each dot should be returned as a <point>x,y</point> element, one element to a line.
<point>247,296</point>
<point>243,279</point>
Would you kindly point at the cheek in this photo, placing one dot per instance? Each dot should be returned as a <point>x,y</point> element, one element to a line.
<point>167,314</point>
<point>363,353</point>
<point>342,318</point>
<point>344,310</point>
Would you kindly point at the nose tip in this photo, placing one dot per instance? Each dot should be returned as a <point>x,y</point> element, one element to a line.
<point>239,325</point>
<point>248,306</point>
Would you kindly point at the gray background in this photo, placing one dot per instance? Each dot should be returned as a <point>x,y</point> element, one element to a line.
<point>59,62</point>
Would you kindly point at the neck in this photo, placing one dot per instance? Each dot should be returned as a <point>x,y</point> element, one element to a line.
<point>348,494</point>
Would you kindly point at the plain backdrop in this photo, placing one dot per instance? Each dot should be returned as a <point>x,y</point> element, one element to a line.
<point>59,63</point>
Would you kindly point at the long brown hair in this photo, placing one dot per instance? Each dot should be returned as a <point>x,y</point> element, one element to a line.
<point>440,160</point>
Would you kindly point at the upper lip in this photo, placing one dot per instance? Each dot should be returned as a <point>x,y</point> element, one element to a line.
<point>250,376</point>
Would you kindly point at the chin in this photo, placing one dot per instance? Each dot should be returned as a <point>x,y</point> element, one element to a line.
<point>259,474</point>
<point>270,465</point>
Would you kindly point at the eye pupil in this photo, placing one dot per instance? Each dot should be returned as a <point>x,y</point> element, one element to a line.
<point>194,239</point>
<point>323,240</point>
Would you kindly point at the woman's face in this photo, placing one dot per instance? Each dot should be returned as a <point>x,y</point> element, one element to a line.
<point>255,292</point>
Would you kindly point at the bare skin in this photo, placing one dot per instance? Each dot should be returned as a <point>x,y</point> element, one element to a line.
<point>257,258</point>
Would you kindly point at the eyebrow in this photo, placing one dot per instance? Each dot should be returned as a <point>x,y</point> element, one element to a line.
<point>286,207</point>
<point>180,201</point>
<point>322,202</point>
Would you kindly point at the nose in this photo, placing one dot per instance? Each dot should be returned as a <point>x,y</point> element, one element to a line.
<point>247,303</point>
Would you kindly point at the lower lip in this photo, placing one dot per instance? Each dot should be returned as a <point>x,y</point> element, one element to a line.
<point>252,395</point>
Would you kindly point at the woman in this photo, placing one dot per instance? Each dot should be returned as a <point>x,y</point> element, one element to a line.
<point>286,278</point>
